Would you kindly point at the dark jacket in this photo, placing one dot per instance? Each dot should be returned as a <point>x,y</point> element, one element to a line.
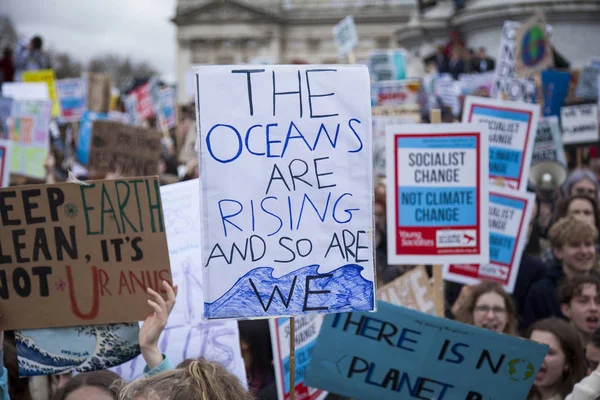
<point>531,271</point>
<point>542,300</point>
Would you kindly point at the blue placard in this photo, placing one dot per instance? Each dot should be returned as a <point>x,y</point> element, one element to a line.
<point>555,87</point>
<point>397,353</point>
<point>84,142</point>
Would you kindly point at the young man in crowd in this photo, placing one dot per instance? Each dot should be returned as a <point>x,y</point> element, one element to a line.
<point>573,243</point>
<point>580,302</point>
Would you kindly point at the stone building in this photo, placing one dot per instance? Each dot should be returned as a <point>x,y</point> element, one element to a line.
<point>285,31</point>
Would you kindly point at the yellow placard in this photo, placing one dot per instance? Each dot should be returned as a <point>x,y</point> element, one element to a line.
<point>45,75</point>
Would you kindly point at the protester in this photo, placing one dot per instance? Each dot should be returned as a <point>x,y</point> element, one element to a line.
<point>256,348</point>
<point>563,366</point>
<point>579,300</point>
<point>485,63</point>
<point>7,67</point>
<point>32,57</point>
<point>573,243</point>
<point>581,181</point>
<point>488,306</point>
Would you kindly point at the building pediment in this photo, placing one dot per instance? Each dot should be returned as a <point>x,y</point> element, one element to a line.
<point>220,11</point>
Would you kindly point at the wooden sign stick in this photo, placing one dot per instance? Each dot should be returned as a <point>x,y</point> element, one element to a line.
<point>292,358</point>
<point>351,57</point>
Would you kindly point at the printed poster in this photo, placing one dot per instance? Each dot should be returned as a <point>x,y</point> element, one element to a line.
<point>307,329</point>
<point>5,162</point>
<point>437,193</point>
<point>548,142</point>
<point>72,97</point>
<point>143,101</point>
<point>387,65</point>
<point>46,76</point>
<point>398,93</point>
<point>509,215</point>
<point>398,353</point>
<point>30,133</point>
<point>288,232</point>
<point>167,108</point>
<point>580,124</point>
<point>512,129</point>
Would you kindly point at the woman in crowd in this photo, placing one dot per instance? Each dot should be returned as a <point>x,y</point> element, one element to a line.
<point>255,344</point>
<point>581,181</point>
<point>488,306</point>
<point>564,364</point>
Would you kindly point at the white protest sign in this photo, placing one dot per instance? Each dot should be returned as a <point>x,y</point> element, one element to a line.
<point>379,126</point>
<point>287,189</point>
<point>25,90</point>
<point>397,93</point>
<point>512,129</point>
<point>306,332</point>
<point>579,124</point>
<point>345,36</point>
<point>438,193</point>
<point>186,334</point>
<point>548,142</point>
<point>448,90</point>
<point>506,84</point>
<point>509,215</point>
<point>587,85</point>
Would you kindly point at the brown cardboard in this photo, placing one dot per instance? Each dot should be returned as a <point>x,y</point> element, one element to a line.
<point>188,150</point>
<point>132,150</point>
<point>98,96</point>
<point>411,290</point>
<point>438,291</point>
<point>58,260</point>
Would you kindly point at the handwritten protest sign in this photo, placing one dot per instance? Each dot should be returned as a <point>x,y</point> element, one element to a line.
<point>132,150</point>
<point>548,142</point>
<point>533,48</point>
<point>345,36</point>
<point>399,353</point>
<point>186,334</point>
<point>72,98</point>
<point>512,129</point>
<point>580,124</point>
<point>587,85</point>
<point>506,84</point>
<point>29,132</point>
<point>98,92</point>
<point>306,332</point>
<point>5,112</point>
<point>75,254</point>
<point>5,161</point>
<point>295,212</point>
<point>438,195</point>
<point>84,139</point>
<point>46,76</point>
<point>509,215</point>
<point>411,290</point>
<point>397,93</point>
<point>448,91</point>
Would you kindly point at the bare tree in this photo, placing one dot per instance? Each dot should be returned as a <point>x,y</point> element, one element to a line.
<point>122,70</point>
<point>64,65</point>
<point>8,33</point>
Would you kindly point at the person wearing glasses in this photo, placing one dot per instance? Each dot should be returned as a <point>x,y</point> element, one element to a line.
<point>488,306</point>
<point>580,302</point>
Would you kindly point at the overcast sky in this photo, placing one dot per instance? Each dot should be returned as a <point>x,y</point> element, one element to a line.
<point>84,28</point>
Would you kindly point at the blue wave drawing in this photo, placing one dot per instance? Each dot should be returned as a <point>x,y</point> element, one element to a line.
<point>76,349</point>
<point>348,291</point>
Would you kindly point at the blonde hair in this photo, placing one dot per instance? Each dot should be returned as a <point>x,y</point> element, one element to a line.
<point>571,230</point>
<point>199,379</point>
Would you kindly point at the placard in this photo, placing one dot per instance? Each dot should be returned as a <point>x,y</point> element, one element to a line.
<point>98,92</point>
<point>5,112</point>
<point>46,76</point>
<point>579,124</point>
<point>509,215</point>
<point>75,254</point>
<point>287,190</point>
<point>143,101</point>
<point>345,36</point>
<point>5,162</point>
<point>437,195</point>
<point>306,332</point>
<point>555,87</point>
<point>387,65</point>
<point>72,98</point>
<point>398,93</point>
<point>166,109</point>
<point>411,290</point>
<point>84,138</point>
<point>587,85</point>
<point>29,131</point>
<point>186,334</point>
<point>131,150</point>
<point>379,126</point>
<point>534,51</point>
<point>548,142</point>
<point>25,91</point>
<point>512,128</point>
<point>398,353</point>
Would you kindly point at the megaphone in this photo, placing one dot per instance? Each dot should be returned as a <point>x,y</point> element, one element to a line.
<point>547,176</point>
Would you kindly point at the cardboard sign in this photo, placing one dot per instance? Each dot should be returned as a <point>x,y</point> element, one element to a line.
<point>509,215</point>
<point>548,142</point>
<point>5,112</point>
<point>167,106</point>
<point>345,36</point>
<point>399,353</point>
<point>555,87</point>
<point>30,134</point>
<point>512,128</point>
<point>45,76</point>
<point>132,150</point>
<point>398,93</point>
<point>534,51</point>
<point>187,335</point>
<point>98,92</point>
<point>5,162</point>
<point>287,179</point>
<point>72,98</point>
<point>84,139</point>
<point>506,84</point>
<point>75,254</point>
<point>306,332</point>
<point>411,290</point>
<point>579,124</point>
<point>387,65</point>
<point>587,86</point>
<point>437,196</point>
